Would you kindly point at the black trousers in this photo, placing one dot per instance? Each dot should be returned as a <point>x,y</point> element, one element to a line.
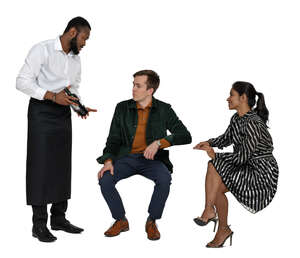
<point>40,214</point>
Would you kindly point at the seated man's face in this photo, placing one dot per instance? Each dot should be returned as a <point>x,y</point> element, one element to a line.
<point>139,91</point>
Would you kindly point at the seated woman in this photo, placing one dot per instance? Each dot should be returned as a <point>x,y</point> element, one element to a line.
<point>250,173</point>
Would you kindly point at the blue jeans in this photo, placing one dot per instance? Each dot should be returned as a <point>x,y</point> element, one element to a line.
<point>136,164</point>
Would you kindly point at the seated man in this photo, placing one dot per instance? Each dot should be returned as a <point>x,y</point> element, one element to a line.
<point>135,145</point>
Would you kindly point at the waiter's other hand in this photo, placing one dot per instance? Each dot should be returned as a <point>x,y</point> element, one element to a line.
<point>63,99</point>
<point>108,166</point>
<point>89,110</point>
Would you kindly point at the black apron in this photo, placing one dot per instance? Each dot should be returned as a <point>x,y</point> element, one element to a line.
<point>49,144</point>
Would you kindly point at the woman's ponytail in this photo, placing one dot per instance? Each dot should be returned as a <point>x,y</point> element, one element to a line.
<point>261,108</point>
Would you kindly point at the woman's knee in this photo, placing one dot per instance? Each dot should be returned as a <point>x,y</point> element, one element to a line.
<point>222,188</point>
<point>210,167</point>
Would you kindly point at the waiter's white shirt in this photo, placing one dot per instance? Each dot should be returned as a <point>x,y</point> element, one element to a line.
<point>48,68</point>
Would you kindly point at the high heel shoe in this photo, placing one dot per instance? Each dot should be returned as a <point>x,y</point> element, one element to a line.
<point>221,245</point>
<point>200,222</point>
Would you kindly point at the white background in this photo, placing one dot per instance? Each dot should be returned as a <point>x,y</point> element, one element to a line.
<point>199,48</point>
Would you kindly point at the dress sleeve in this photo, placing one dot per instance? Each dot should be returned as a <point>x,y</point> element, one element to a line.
<point>223,140</point>
<point>247,147</point>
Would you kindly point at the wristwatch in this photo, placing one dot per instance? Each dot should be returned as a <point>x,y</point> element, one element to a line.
<point>158,143</point>
<point>54,97</point>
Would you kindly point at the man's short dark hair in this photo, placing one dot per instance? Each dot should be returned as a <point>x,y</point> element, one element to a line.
<point>78,23</point>
<point>152,79</point>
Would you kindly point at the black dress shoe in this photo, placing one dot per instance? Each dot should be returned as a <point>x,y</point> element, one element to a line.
<point>67,227</point>
<point>43,234</point>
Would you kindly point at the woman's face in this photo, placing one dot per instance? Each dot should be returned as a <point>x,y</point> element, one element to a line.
<point>234,100</point>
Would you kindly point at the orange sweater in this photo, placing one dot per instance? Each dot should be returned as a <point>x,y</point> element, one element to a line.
<point>139,143</point>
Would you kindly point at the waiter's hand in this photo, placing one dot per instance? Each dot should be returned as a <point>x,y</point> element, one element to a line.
<point>89,110</point>
<point>151,150</point>
<point>108,166</point>
<point>63,99</point>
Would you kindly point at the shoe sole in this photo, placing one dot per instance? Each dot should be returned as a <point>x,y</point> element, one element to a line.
<point>153,239</point>
<point>123,230</point>
<point>35,235</point>
<point>222,244</point>
<point>71,232</point>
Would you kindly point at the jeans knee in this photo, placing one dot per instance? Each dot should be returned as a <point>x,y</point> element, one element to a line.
<point>106,181</point>
<point>164,180</point>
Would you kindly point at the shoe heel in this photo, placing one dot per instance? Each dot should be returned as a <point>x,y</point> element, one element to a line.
<point>125,229</point>
<point>231,240</point>
<point>215,221</point>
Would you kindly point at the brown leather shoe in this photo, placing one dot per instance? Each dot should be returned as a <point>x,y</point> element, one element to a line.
<point>118,227</point>
<point>152,231</point>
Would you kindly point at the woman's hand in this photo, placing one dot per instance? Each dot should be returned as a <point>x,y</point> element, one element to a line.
<point>210,151</point>
<point>200,145</point>
<point>206,147</point>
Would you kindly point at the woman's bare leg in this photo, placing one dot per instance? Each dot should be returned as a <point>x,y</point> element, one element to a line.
<point>212,183</point>
<point>222,209</point>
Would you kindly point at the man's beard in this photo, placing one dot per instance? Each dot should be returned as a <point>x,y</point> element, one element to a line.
<point>73,45</point>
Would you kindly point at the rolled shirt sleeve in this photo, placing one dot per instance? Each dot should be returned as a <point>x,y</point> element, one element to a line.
<point>27,79</point>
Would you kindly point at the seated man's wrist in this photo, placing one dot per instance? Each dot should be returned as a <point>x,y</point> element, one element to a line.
<point>164,143</point>
<point>108,161</point>
<point>157,143</point>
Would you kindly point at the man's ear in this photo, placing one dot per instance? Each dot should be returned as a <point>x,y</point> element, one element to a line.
<point>72,32</point>
<point>151,91</point>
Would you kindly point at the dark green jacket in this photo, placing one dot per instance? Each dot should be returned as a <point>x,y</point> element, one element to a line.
<point>123,127</point>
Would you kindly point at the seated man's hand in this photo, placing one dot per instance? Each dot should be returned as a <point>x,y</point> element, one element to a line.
<point>108,166</point>
<point>151,150</point>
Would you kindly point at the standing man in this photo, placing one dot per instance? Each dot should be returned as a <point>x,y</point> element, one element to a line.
<point>135,146</point>
<point>50,67</point>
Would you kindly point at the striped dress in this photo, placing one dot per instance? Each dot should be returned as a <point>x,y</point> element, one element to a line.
<point>250,173</point>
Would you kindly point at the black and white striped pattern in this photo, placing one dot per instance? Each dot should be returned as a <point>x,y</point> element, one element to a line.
<point>250,173</point>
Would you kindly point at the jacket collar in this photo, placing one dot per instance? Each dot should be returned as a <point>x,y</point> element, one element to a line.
<point>132,103</point>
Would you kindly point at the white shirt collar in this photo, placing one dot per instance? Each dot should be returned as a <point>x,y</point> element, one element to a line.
<point>58,46</point>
